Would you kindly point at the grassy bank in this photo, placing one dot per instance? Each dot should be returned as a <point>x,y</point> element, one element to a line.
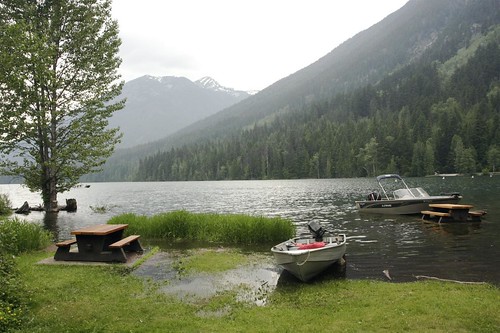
<point>107,299</point>
<point>217,228</point>
<point>83,298</point>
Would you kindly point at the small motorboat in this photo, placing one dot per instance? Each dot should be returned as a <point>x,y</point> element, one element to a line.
<point>403,200</point>
<point>307,256</point>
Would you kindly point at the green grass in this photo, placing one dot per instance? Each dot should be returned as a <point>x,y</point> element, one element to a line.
<point>68,298</point>
<point>212,260</point>
<point>82,298</point>
<point>217,228</point>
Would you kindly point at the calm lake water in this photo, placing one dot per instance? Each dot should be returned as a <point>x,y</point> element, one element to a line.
<point>404,245</point>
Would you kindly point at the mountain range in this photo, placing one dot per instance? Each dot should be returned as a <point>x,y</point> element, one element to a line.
<point>416,93</point>
<point>159,106</point>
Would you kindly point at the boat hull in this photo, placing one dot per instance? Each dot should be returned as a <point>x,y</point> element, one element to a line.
<point>306,264</point>
<point>403,206</point>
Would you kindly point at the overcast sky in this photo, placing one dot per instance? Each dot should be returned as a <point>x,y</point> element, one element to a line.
<point>242,44</point>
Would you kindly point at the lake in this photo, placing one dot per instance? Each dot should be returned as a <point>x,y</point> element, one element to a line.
<point>404,245</point>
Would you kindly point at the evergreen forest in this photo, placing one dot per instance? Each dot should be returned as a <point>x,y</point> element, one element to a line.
<point>416,94</point>
<point>428,117</point>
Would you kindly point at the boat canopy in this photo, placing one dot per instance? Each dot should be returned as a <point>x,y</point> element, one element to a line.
<point>393,175</point>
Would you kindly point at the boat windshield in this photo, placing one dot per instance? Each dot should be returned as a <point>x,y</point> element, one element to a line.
<point>416,192</point>
<point>402,194</point>
<point>419,192</point>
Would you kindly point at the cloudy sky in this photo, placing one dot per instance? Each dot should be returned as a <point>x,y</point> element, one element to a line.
<point>242,44</point>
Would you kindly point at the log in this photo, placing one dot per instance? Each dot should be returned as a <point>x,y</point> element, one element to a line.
<point>446,280</point>
<point>38,208</point>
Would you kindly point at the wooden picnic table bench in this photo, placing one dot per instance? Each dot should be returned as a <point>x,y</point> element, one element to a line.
<point>102,242</point>
<point>453,212</point>
<point>66,243</point>
<point>100,229</point>
<point>130,243</point>
<point>457,212</point>
<point>451,206</point>
<point>432,213</point>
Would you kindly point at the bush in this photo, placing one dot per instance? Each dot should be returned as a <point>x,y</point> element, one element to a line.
<point>13,296</point>
<point>5,205</point>
<point>18,236</point>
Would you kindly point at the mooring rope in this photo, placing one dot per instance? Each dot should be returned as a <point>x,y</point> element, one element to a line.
<point>308,254</point>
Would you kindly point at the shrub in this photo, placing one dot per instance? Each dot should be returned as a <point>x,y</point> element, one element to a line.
<point>17,236</point>
<point>5,205</point>
<point>13,296</point>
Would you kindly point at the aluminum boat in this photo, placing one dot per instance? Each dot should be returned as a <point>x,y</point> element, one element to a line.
<point>307,256</point>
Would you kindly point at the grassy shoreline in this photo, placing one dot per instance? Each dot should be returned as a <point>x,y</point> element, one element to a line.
<point>68,298</point>
<point>83,298</point>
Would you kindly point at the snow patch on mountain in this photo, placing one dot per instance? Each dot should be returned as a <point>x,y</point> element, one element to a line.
<point>205,82</point>
<point>208,83</point>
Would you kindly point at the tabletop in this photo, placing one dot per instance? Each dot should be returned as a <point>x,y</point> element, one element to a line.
<point>450,206</point>
<point>100,230</point>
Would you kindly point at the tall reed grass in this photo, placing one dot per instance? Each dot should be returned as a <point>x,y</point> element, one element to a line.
<point>219,228</point>
<point>17,236</point>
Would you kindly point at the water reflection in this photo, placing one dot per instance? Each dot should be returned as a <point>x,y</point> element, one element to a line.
<point>50,223</point>
<point>452,229</point>
<point>252,283</point>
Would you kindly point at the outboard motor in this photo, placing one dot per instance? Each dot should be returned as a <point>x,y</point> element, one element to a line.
<point>317,230</point>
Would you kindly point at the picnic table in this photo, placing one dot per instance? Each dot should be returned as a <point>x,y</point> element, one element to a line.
<point>456,211</point>
<point>452,213</point>
<point>102,242</point>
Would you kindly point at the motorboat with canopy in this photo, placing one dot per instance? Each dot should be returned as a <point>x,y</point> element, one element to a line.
<point>403,199</point>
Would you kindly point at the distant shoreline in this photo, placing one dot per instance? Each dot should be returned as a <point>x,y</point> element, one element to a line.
<point>462,174</point>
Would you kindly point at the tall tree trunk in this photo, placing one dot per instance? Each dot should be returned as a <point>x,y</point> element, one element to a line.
<point>49,194</point>
<point>50,199</point>
<point>53,198</point>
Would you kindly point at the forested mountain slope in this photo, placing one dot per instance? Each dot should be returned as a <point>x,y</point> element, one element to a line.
<point>401,38</point>
<point>417,93</point>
